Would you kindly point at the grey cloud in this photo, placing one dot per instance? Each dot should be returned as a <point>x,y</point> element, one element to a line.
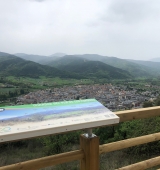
<point>122,28</point>
<point>92,24</point>
<point>39,0</point>
<point>128,11</point>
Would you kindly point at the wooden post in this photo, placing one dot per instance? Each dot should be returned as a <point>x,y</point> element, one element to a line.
<point>90,147</point>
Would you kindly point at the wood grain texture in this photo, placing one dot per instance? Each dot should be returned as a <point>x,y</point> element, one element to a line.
<point>143,165</point>
<point>128,115</point>
<point>46,161</point>
<point>114,146</point>
<point>90,146</point>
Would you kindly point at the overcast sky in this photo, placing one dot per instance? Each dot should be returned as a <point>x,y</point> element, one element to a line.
<point>121,28</point>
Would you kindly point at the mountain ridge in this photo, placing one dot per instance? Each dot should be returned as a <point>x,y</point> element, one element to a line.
<point>135,68</point>
<point>15,66</point>
<point>94,69</point>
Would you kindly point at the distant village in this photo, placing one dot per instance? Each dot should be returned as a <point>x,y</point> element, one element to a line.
<point>113,97</point>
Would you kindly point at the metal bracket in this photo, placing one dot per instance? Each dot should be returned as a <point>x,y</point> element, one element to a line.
<point>89,133</point>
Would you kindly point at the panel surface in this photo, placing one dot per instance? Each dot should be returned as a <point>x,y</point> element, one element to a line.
<point>25,121</point>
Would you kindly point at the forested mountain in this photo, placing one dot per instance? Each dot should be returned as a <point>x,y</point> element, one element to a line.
<point>2,54</point>
<point>97,69</point>
<point>151,64</point>
<point>68,59</point>
<point>48,60</point>
<point>135,69</point>
<point>51,58</point>
<point>78,68</point>
<point>15,66</point>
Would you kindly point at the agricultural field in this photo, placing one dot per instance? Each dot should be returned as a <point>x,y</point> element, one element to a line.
<point>43,82</point>
<point>7,90</point>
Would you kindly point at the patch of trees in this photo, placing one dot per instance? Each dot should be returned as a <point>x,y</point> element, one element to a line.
<point>11,94</point>
<point>152,103</point>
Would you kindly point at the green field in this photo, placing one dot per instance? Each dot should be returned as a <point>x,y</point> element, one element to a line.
<point>44,82</point>
<point>6,90</point>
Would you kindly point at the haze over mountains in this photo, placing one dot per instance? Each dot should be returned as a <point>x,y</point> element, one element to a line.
<point>31,57</point>
<point>155,59</point>
<point>79,66</point>
<point>38,58</point>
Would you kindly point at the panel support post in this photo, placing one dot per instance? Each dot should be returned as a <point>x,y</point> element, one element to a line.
<point>90,146</point>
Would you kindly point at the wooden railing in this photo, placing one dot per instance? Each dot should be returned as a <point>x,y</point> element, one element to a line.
<point>90,149</point>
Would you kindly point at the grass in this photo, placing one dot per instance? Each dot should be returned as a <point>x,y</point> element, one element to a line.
<point>3,104</point>
<point>13,154</point>
<point>44,82</point>
<point>119,159</point>
<point>6,90</point>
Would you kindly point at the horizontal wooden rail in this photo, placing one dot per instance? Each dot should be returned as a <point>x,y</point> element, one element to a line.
<point>114,146</point>
<point>138,113</point>
<point>143,165</point>
<point>46,161</point>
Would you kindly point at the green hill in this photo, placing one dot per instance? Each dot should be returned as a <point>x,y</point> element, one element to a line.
<point>48,60</point>
<point>68,67</point>
<point>92,69</point>
<point>2,54</point>
<point>132,68</point>
<point>151,64</point>
<point>68,59</point>
<point>135,69</point>
<point>15,66</point>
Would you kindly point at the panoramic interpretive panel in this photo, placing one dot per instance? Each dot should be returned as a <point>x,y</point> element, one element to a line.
<point>25,121</point>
